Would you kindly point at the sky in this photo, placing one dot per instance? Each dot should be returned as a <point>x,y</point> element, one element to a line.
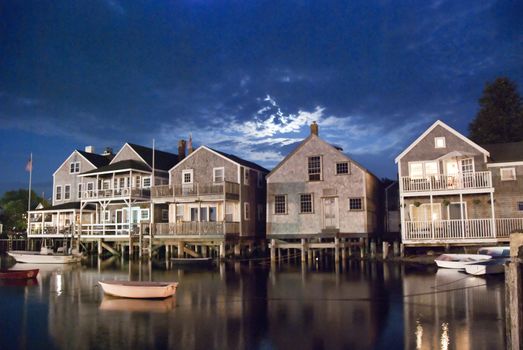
<point>244,77</point>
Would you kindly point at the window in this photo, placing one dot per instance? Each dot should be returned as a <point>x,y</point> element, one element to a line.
<point>194,214</point>
<point>203,214</point>
<point>106,184</point>
<point>423,212</point>
<point>431,168</point>
<point>80,188</point>
<point>342,168</point>
<point>416,169</point>
<point>137,181</point>
<point>122,182</point>
<point>423,169</point>
<point>218,175</point>
<point>67,192</point>
<point>247,211</point>
<point>58,194</point>
<point>315,168</point>
<point>280,204</point>
<point>508,174</point>
<point>439,142</point>
<point>246,176</point>
<point>179,212</point>
<point>74,168</point>
<point>187,176</point>
<point>90,186</point>
<point>467,165</point>
<point>107,215</point>
<point>212,214</point>
<point>146,182</point>
<point>355,203</point>
<point>306,203</point>
<point>144,214</point>
<point>165,215</point>
<point>520,206</point>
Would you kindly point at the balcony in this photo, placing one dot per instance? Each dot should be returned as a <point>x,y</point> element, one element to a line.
<point>195,228</point>
<point>229,190</point>
<point>460,231</point>
<point>481,180</point>
<point>143,193</point>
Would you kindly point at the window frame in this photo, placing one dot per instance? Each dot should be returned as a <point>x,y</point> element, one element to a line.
<point>439,138</point>
<point>165,215</point>
<point>348,168</point>
<point>148,216</point>
<point>191,173</point>
<point>214,177</point>
<point>74,167</point>
<point>285,205</point>
<point>513,172</point>
<point>144,179</point>
<point>320,173</point>
<point>79,187</point>
<point>58,194</point>
<point>311,203</point>
<point>67,194</point>
<point>362,208</point>
<point>520,205</point>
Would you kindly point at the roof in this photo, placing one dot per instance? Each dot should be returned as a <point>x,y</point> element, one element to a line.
<point>291,154</point>
<point>162,160</point>
<point>67,206</point>
<point>121,165</point>
<point>505,152</point>
<point>241,161</point>
<point>95,159</point>
<point>448,128</point>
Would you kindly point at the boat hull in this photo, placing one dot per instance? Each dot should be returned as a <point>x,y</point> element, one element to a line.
<point>139,290</point>
<point>18,274</point>
<point>37,258</point>
<point>459,261</point>
<point>491,267</point>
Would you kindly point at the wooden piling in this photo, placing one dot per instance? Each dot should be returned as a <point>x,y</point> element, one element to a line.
<point>273,250</point>
<point>385,250</point>
<point>372,249</point>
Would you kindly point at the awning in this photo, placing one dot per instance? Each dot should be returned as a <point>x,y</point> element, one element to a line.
<point>456,154</point>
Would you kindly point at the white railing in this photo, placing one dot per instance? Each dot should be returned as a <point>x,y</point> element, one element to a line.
<point>443,230</point>
<point>109,229</point>
<point>195,228</point>
<point>196,189</point>
<point>49,228</point>
<point>117,193</point>
<point>462,181</point>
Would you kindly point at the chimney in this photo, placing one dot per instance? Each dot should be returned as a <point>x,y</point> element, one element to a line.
<point>189,148</point>
<point>108,151</point>
<point>314,128</point>
<point>181,150</point>
<point>89,149</point>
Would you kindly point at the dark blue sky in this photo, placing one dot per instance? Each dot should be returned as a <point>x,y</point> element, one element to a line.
<point>246,77</point>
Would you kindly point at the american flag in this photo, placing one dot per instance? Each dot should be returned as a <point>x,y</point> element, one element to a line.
<point>29,165</point>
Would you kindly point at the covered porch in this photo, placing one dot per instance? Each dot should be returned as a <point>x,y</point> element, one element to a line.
<point>57,221</point>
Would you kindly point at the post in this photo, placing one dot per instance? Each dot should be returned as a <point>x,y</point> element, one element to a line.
<point>514,293</point>
<point>222,250</point>
<point>303,250</point>
<point>100,249</point>
<point>336,249</point>
<point>385,247</point>
<point>273,250</point>
<point>181,245</point>
<point>372,249</point>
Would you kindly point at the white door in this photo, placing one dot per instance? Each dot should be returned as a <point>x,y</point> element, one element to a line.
<point>330,212</point>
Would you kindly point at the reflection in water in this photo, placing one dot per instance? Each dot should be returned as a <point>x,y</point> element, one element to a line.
<point>367,305</point>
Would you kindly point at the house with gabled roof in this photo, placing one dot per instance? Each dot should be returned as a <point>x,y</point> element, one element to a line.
<point>318,193</point>
<point>213,199</point>
<point>454,191</point>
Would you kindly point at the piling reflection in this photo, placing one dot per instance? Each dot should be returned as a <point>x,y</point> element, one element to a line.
<point>359,305</point>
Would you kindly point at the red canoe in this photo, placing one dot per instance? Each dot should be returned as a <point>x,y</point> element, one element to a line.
<point>18,274</point>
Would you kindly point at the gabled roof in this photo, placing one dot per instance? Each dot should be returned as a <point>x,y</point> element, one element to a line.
<point>445,126</point>
<point>229,157</point>
<point>304,141</point>
<point>505,152</point>
<point>162,160</point>
<point>95,159</point>
<point>121,165</point>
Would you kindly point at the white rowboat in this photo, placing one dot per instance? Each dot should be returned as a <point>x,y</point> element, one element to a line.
<point>460,261</point>
<point>23,256</point>
<point>139,290</point>
<point>489,267</point>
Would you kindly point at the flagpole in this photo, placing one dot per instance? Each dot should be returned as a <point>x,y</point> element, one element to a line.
<point>30,179</point>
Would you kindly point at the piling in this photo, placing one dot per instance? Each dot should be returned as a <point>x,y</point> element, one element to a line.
<point>385,250</point>
<point>396,248</point>
<point>372,249</point>
<point>303,250</point>
<point>514,293</point>
<point>273,250</point>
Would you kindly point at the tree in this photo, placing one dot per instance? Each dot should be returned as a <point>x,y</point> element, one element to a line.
<point>500,118</point>
<point>14,204</point>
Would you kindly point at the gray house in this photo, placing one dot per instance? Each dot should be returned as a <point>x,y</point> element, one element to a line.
<point>318,192</point>
<point>454,191</point>
<point>213,199</point>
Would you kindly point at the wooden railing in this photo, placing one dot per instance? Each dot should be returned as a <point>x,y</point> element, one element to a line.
<point>109,229</point>
<point>196,189</point>
<point>462,181</point>
<point>195,228</point>
<point>117,193</point>
<point>443,230</point>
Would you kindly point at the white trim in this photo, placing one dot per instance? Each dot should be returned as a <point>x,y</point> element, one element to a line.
<point>74,167</point>
<point>56,192</point>
<point>492,165</point>
<point>116,171</point>
<point>214,173</point>
<point>444,145</point>
<point>465,211</point>
<point>187,171</point>
<point>143,181</point>
<point>121,149</point>
<point>445,126</point>
<point>197,150</point>
<point>79,190</point>
<point>65,161</point>
<point>513,171</point>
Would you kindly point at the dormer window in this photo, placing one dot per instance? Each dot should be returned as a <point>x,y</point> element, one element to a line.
<point>74,168</point>
<point>439,142</point>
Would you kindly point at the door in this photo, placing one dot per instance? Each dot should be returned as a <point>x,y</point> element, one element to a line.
<point>452,168</point>
<point>330,212</point>
<point>455,211</point>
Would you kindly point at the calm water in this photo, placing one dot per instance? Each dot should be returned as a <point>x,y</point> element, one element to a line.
<point>363,305</point>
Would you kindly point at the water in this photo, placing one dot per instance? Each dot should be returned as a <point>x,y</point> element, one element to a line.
<point>363,305</point>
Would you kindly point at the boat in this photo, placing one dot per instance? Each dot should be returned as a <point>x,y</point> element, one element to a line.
<point>496,252</point>
<point>18,274</point>
<point>489,267</point>
<point>192,261</point>
<point>44,256</point>
<point>460,261</point>
<point>138,290</point>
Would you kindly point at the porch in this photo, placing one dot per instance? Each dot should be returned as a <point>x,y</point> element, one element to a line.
<point>194,228</point>
<point>460,231</point>
<point>227,190</point>
<point>481,180</point>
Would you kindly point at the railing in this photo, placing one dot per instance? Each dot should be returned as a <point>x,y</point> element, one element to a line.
<point>49,228</point>
<point>117,193</point>
<point>461,181</point>
<point>196,189</point>
<point>442,230</point>
<point>195,228</point>
<point>109,229</point>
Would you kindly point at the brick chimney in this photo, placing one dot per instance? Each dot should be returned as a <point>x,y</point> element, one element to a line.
<point>314,128</point>
<point>181,149</point>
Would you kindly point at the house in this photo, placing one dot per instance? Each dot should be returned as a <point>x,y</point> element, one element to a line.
<point>318,193</point>
<point>454,191</point>
<point>213,199</point>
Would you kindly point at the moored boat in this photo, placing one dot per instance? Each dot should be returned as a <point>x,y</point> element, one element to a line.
<point>459,261</point>
<point>489,267</point>
<point>495,252</point>
<point>30,257</point>
<point>139,290</point>
<point>18,274</point>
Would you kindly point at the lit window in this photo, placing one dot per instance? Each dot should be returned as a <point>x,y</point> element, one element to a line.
<point>416,169</point>
<point>305,203</point>
<point>314,168</point>
<point>218,175</point>
<point>247,211</point>
<point>355,204</point>
<point>439,142</point>
<point>508,174</point>
<point>342,168</point>
<point>280,204</point>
